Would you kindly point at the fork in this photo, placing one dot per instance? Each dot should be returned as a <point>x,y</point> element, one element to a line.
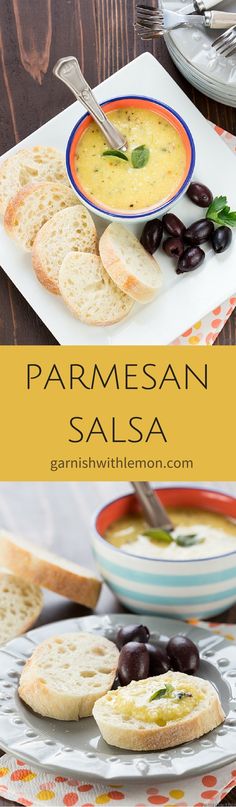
<point>151,23</point>
<point>226,43</point>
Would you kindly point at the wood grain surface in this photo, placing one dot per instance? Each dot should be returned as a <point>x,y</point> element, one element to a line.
<point>33,35</point>
<point>57,515</point>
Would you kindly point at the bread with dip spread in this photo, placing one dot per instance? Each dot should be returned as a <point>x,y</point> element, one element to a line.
<point>89,292</point>
<point>70,229</point>
<point>159,712</point>
<point>128,264</point>
<point>66,675</point>
<point>20,605</point>
<point>30,165</point>
<point>32,206</point>
<point>48,570</point>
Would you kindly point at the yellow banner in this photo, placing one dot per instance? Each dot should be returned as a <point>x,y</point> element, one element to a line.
<point>124,413</point>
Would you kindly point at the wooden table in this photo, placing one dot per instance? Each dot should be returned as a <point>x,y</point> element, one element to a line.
<point>57,516</point>
<point>34,34</point>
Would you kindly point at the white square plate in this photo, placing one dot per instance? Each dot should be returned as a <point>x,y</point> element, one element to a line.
<point>184,299</point>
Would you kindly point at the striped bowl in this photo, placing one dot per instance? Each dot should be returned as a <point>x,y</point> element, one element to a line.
<point>168,114</point>
<point>181,588</point>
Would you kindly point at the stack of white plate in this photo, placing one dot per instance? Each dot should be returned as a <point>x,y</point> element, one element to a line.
<point>192,52</point>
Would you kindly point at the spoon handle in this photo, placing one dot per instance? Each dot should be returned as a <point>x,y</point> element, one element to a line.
<point>152,508</point>
<point>68,71</point>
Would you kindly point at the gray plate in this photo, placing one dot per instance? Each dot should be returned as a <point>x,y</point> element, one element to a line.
<point>77,748</point>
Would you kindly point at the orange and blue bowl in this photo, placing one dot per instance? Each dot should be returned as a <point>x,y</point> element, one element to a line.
<point>168,114</point>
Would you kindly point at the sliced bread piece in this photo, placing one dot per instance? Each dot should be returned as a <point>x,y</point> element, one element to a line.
<point>128,263</point>
<point>67,674</point>
<point>32,207</point>
<point>141,717</point>
<point>30,165</point>
<point>70,229</point>
<point>89,292</point>
<point>20,606</point>
<point>48,570</point>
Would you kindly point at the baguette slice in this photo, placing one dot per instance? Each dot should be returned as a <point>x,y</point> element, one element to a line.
<point>89,292</point>
<point>20,606</point>
<point>48,570</point>
<point>134,733</point>
<point>66,674</point>
<point>32,206</point>
<point>128,263</point>
<point>70,229</point>
<point>30,165</point>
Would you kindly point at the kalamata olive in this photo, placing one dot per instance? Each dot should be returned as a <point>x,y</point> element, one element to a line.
<point>133,664</point>
<point>173,246</point>
<point>221,239</point>
<point>159,660</point>
<point>192,258</point>
<point>152,235</point>
<point>200,194</point>
<point>173,225</point>
<point>199,232</point>
<point>132,633</point>
<point>183,654</point>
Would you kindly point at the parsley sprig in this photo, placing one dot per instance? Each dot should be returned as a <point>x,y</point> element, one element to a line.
<point>219,212</point>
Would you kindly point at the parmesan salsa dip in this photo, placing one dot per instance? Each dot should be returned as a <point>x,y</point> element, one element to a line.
<point>215,535</point>
<point>116,183</point>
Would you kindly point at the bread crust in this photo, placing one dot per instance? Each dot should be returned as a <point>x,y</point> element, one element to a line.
<point>40,269</point>
<point>151,737</point>
<point>17,201</point>
<point>127,281</point>
<point>79,585</point>
<point>42,691</point>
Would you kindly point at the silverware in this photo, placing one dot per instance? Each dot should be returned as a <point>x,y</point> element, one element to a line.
<point>197,6</point>
<point>68,71</point>
<point>154,512</point>
<point>226,43</point>
<point>151,25</point>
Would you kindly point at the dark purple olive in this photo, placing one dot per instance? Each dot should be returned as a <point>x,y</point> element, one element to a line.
<point>173,225</point>
<point>192,258</point>
<point>152,235</point>
<point>183,654</point>
<point>221,239</point>
<point>133,664</point>
<point>132,633</point>
<point>199,232</point>
<point>173,246</point>
<point>159,660</point>
<point>200,194</point>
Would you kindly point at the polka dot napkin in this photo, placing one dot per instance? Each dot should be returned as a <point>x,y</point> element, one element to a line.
<point>206,331</point>
<point>29,786</point>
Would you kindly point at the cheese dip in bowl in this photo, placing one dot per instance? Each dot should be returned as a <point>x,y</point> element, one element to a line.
<point>150,177</point>
<point>190,573</point>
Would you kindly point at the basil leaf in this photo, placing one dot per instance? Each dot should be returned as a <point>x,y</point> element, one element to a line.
<point>219,212</point>
<point>162,692</point>
<point>114,153</point>
<point>158,535</point>
<point>188,540</point>
<point>140,156</point>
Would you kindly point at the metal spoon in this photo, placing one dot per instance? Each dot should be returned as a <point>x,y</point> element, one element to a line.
<point>152,508</point>
<point>68,71</point>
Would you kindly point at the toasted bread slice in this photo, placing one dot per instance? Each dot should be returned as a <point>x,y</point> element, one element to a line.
<point>67,674</point>
<point>70,229</point>
<point>89,292</point>
<point>128,263</point>
<point>48,570</point>
<point>30,165</point>
<point>32,206</point>
<point>20,606</point>
<point>141,724</point>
